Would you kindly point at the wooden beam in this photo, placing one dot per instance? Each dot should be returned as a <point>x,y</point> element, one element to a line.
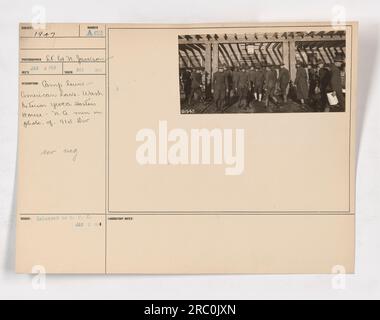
<point>252,39</point>
<point>224,51</point>
<point>235,56</point>
<point>275,51</point>
<point>191,48</point>
<point>286,55</point>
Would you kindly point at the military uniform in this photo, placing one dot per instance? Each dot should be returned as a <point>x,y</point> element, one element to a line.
<point>270,85</point>
<point>336,84</point>
<point>242,86</point>
<point>220,86</point>
<point>228,73</point>
<point>186,80</point>
<point>235,79</point>
<point>270,82</point>
<point>251,79</point>
<point>283,80</point>
<point>312,82</point>
<point>301,83</point>
<point>324,82</point>
<point>196,82</point>
<point>259,81</point>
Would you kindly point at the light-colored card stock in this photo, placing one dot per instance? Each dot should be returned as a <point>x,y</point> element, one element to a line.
<point>187,149</point>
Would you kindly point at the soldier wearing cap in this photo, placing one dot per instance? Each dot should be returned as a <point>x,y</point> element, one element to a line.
<point>235,79</point>
<point>220,85</point>
<point>301,83</point>
<point>270,85</point>
<point>259,83</point>
<point>313,81</point>
<point>323,83</point>
<point>283,79</point>
<point>228,72</point>
<point>251,79</point>
<point>186,82</point>
<point>242,86</point>
<point>336,80</point>
<point>196,83</point>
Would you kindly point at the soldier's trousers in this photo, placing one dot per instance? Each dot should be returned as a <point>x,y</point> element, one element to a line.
<point>341,99</point>
<point>243,93</point>
<point>258,88</point>
<point>324,100</point>
<point>270,92</point>
<point>195,94</point>
<point>219,96</point>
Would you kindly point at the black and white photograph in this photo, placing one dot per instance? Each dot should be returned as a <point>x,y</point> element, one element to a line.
<point>262,72</point>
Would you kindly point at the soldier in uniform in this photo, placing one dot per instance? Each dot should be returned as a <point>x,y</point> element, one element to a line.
<point>323,83</point>
<point>283,80</point>
<point>186,80</point>
<point>196,83</point>
<point>336,81</point>
<point>228,73</point>
<point>301,83</point>
<point>312,75</point>
<point>242,86</point>
<point>220,84</point>
<point>251,79</point>
<point>235,79</point>
<point>270,85</point>
<point>259,83</point>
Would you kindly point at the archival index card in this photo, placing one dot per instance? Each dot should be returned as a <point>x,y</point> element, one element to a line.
<point>166,149</point>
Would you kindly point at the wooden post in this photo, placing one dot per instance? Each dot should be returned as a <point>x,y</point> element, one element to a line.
<point>208,61</point>
<point>292,59</point>
<point>215,58</point>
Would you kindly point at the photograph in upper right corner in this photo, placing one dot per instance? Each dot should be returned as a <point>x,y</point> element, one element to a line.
<point>263,72</point>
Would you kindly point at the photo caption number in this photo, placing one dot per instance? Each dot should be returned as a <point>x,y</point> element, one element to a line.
<point>212,310</point>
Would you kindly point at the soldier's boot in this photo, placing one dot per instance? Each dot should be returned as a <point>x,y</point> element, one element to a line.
<point>220,104</point>
<point>244,104</point>
<point>247,104</point>
<point>276,102</point>
<point>267,105</point>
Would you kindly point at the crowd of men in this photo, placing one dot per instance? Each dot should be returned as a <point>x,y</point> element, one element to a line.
<point>249,86</point>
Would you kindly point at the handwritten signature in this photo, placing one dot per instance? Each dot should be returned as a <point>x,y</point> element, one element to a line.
<point>71,152</point>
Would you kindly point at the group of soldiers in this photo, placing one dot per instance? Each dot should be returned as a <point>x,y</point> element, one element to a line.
<point>248,84</point>
<point>268,84</point>
<point>315,81</point>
